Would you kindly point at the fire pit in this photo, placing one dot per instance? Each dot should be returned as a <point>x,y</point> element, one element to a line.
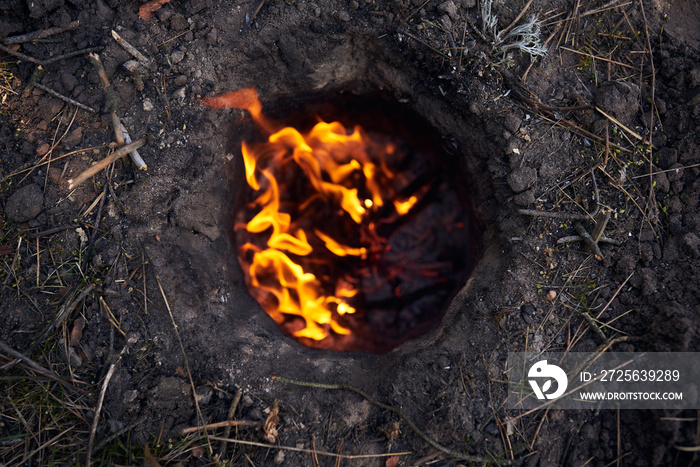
<point>351,232</point>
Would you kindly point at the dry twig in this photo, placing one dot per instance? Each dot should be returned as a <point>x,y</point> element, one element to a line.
<point>42,34</point>
<point>98,409</point>
<point>63,98</point>
<point>104,163</point>
<point>131,49</point>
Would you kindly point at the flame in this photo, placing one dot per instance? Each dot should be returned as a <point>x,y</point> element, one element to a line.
<point>341,170</point>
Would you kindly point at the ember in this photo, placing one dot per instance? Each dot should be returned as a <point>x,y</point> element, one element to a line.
<point>353,240</point>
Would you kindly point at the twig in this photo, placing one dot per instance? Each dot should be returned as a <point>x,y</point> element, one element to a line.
<point>135,156</point>
<point>20,55</point>
<point>517,18</point>
<point>184,355</point>
<point>618,123</point>
<point>64,98</point>
<point>588,240</point>
<point>28,169</point>
<point>255,13</point>
<point>111,101</point>
<point>110,317</point>
<point>36,367</point>
<point>42,34</point>
<point>131,49</point>
<point>227,423</point>
<point>37,76</point>
<point>404,417</point>
<point>578,238</point>
<point>62,315</point>
<point>104,163</point>
<point>600,224</point>
<point>100,401</point>
<point>12,268</point>
<point>52,231</point>
<point>71,54</point>
<point>421,41</point>
<point>591,322</point>
<point>553,214</point>
<point>310,451</point>
<point>231,413</point>
<point>27,58</point>
<point>116,435</point>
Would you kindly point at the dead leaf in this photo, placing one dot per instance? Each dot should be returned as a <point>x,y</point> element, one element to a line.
<point>147,9</point>
<point>270,426</point>
<point>180,372</point>
<point>5,249</point>
<point>77,333</point>
<point>393,461</point>
<point>198,451</point>
<point>149,459</point>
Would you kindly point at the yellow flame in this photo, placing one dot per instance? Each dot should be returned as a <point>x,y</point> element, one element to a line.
<point>332,160</point>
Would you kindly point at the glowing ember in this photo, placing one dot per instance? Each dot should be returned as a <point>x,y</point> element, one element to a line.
<point>318,238</point>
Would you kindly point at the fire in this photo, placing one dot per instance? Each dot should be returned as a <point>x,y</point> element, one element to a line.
<point>310,189</point>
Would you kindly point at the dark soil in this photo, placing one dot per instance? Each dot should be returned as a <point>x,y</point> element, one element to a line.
<point>158,244</point>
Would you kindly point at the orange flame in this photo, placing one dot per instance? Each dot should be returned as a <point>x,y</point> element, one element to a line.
<point>340,169</point>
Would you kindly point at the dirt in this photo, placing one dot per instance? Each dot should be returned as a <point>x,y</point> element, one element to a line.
<point>168,287</point>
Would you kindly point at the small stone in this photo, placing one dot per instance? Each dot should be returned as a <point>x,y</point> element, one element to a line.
<point>551,295</point>
<point>526,198</point>
<point>73,138</point>
<point>178,56</point>
<point>178,22</point>
<point>42,149</point>
<point>527,312</point>
<point>24,204</point>
<point>448,7</point>
<point>180,94</point>
<point>619,99</point>
<point>343,16</point>
<point>279,457</point>
<point>180,80</point>
<point>512,123</point>
<point>147,105</point>
<point>667,157</point>
<point>130,396</point>
<point>522,178</point>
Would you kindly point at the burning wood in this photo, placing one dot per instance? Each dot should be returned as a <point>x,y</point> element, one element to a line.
<point>328,244</point>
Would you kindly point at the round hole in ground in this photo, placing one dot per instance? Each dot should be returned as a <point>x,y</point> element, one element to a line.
<point>353,225</point>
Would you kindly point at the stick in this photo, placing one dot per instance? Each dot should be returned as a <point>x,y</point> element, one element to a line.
<point>42,34</point>
<point>601,223</point>
<point>100,401</point>
<point>310,451</point>
<point>227,423</point>
<point>553,214</point>
<point>131,49</point>
<point>618,123</point>
<point>517,18</point>
<point>37,76</point>
<point>104,163</point>
<point>409,422</point>
<point>231,413</point>
<point>578,238</point>
<point>20,55</point>
<point>588,240</point>
<point>36,367</point>
<point>135,156</point>
<point>64,98</point>
<point>71,54</point>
